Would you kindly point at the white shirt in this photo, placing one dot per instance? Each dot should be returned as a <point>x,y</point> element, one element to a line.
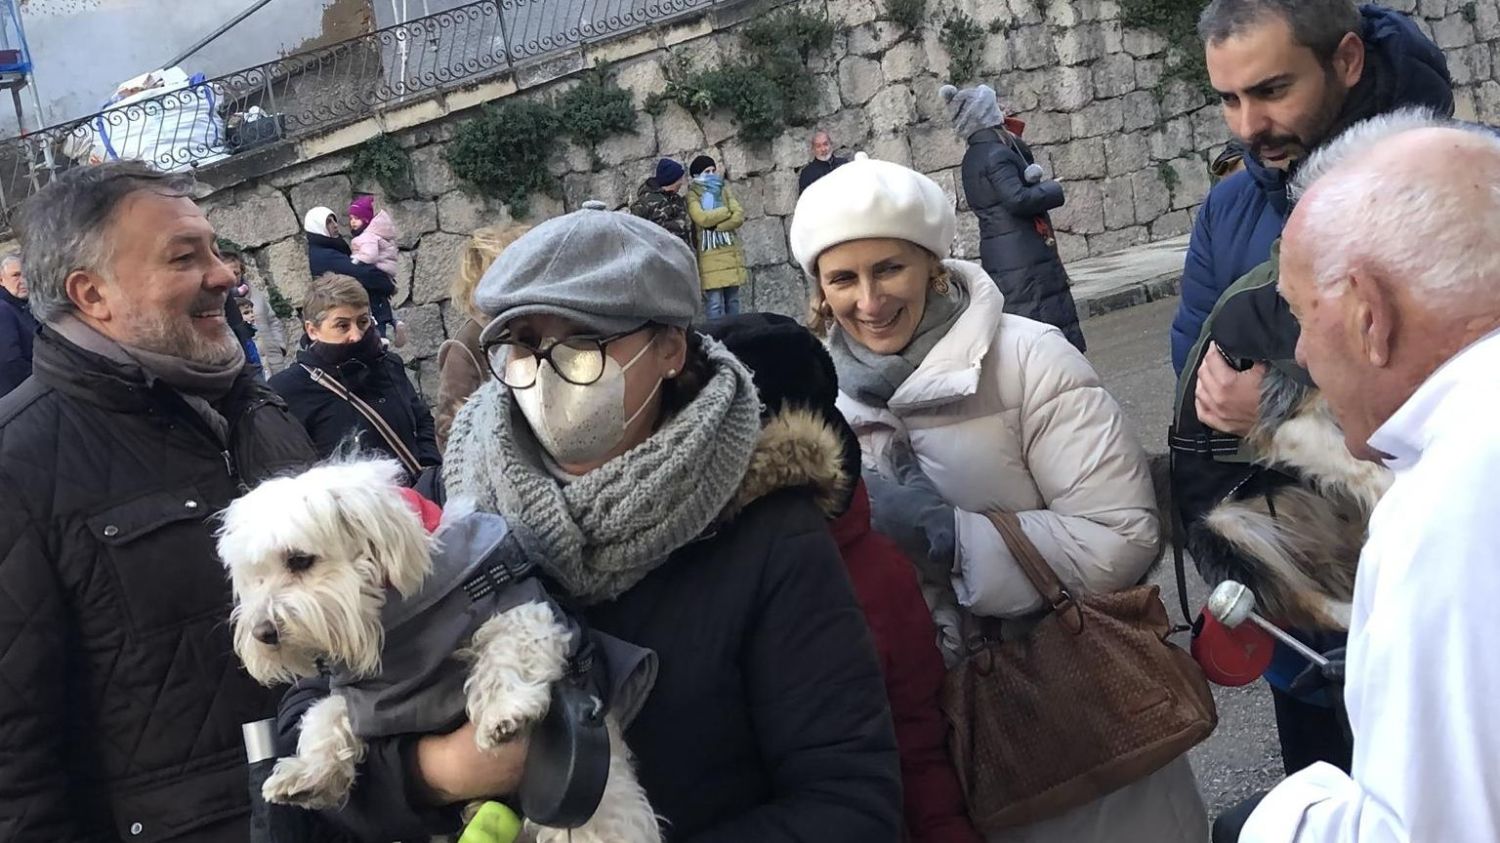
<point>1423,668</point>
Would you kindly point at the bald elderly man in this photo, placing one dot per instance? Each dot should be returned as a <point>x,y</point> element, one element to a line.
<point>1400,316</point>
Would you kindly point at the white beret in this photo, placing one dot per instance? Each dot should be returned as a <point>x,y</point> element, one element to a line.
<point>868,199</point>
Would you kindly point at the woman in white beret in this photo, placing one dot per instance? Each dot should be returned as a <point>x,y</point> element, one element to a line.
<point>962,409</point>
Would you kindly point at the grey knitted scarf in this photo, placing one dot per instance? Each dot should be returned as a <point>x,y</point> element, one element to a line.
<point>874,378</point>
<point>605,531</point>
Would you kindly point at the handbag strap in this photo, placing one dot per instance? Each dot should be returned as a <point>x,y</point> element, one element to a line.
<point>330,383</point>
<point>1033,565</point>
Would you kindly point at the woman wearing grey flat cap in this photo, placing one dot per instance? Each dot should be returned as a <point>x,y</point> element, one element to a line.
<point>628,448</point>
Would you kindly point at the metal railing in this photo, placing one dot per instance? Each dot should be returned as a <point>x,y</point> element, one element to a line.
<point>198,122</point>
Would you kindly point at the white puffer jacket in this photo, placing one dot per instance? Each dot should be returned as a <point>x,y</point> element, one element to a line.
<point>1005,414</point>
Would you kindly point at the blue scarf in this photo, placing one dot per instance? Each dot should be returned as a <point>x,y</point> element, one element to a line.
<point>713,190</point>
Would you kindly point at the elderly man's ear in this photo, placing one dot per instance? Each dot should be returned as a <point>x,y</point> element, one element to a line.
<point>1371,315</point>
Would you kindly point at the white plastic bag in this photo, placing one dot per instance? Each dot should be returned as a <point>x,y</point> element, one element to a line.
<point>170,121</point>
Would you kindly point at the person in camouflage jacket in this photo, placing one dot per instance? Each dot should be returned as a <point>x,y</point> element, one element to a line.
<point>660,200</point>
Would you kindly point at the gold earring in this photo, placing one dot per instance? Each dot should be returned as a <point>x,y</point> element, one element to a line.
<point>939,282</point>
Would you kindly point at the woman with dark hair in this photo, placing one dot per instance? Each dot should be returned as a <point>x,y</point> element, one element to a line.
<point>626,451</point>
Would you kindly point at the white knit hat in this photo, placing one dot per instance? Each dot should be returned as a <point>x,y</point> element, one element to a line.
<point>867,199</point>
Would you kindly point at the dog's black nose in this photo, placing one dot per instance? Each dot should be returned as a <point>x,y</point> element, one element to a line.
<point>265,633</point>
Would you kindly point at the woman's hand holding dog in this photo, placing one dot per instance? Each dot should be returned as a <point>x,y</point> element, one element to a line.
<point>452,768</point>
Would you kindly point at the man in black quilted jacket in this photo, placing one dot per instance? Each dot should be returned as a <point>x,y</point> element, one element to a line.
<point>120,696</point>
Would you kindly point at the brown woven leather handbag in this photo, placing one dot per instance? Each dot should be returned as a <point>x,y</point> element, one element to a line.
<point>1093,699</point>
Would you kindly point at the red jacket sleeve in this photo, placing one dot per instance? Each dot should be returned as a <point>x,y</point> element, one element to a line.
<point>914,671</point>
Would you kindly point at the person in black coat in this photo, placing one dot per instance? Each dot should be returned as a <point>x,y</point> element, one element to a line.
<point>17,325</point>
<point>823,163</point>
<point>1005,188</point>
<point>346,348</point>
<point>328,251</point>
<point>121,699</point>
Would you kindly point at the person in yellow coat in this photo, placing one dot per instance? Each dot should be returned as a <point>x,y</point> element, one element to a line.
<point>717,216</point>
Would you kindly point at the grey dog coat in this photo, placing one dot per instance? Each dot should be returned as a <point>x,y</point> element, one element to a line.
<point>478,572</point>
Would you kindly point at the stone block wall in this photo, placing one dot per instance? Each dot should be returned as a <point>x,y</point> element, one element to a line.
<point>1104,115</point>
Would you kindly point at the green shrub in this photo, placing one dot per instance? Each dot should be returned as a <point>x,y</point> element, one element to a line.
<point>908,13</point>
<point>503,152</point>
<point>1177,22</point>
<point>381,159</point>
<point>1168,175</point>
<point>767,90</point>
<point>279,305</point>
<point>596,109</point>
<point>963,38</point>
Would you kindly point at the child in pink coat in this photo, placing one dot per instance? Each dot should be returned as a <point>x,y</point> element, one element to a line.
<point>375,243</point>
<point>375,240</point>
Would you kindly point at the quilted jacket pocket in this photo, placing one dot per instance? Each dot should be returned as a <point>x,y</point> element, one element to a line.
<point>163,555</point>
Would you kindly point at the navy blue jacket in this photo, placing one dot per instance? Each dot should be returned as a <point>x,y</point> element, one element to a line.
<point>17,329</point>
<point>331,254</point>
<point>1244,214</point>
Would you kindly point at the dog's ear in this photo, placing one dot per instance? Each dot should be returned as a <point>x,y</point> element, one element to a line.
<point>392,533</point>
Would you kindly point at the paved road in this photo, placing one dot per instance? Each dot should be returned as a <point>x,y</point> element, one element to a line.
<point>1129,348</point>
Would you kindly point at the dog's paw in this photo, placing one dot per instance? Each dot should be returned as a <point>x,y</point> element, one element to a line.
<point>517,655</point>
<point>314,785</point>
<point>499,718</point>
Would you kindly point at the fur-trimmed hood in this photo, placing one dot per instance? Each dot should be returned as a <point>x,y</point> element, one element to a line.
<point>798,448</point>
<point>804,440</point>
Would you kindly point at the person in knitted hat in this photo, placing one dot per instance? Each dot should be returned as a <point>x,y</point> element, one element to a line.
<point>1006,190</point>
<point>717,216</point>
<point>961,409</point>
<point>626,451</point>
<point>660,200</point>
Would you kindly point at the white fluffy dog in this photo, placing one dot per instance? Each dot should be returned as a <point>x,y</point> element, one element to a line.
<point>334,572</point>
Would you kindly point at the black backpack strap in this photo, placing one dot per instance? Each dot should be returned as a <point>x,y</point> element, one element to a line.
<point>1178,538</point>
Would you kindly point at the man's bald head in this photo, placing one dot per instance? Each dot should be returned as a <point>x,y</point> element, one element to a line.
<point>1391,259</point>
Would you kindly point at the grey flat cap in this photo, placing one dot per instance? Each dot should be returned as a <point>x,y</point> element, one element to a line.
<point>608,270</point>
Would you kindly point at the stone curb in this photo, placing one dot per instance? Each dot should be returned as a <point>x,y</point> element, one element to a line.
<point>1129,295</point>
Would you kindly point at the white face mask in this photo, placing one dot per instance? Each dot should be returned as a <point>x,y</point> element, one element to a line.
<point>580,424</point>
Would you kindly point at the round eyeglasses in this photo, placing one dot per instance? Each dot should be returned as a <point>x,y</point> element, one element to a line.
<point>578,360</point>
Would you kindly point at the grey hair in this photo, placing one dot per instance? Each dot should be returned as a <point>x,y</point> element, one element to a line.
<point>1359,139</point>
<point>66,226</point>
<point>1436,239</point>
<point>1319,25</point>
<point>10,258</point>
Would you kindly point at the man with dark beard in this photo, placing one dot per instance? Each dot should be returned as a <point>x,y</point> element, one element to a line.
<point>1292,75</point>
<point>121,699</point>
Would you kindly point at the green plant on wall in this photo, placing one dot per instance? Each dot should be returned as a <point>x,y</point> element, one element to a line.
<point>279,305</point>
<point>503,152</point>
<point>594,109</point>
<point>767,90</point>
<point>963,38</point>
<point>908,13</point>
<point>1177,22</point>
<point>381,159</point>
<point>1169,176</point>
